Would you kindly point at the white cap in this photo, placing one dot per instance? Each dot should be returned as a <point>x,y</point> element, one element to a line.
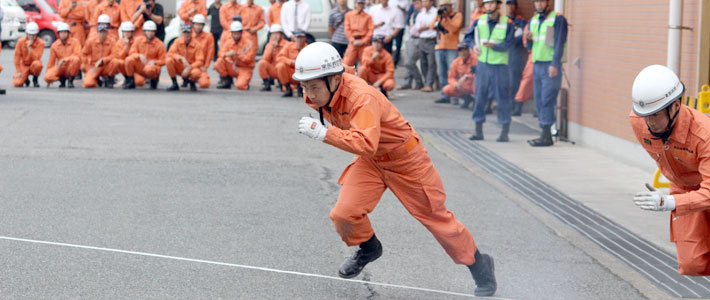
<point>276,28</point>
<point>317,60</point>
<point>127,26</point>
<point>655,87</point>
<point>32,28</point>
<point>149,26</point>
<point>62,27</point>
<point>236,26</point>
<point>104,18</point>
<point>198,18</point>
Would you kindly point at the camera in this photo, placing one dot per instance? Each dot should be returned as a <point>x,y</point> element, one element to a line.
<point>148,5</point>
<point>442,10</point>
<point>440,28</point>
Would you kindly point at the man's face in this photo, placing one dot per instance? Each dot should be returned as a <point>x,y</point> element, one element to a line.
<point>149,34</point>
<point>464,54</point>
<point>128,34</point>
<point>236,35</point>
<point>417,5</point>
<point>63,35</point>
<point>360,5</point>
<point>427,4</point>
<point>658,122</point>
<point>102,35</point>
<point>384,3</point>
<point>342,2</point>
<point>317,91</point>
<point>491,7</point>
<point>198,27</point>
<point>31,37</point>
<point>540,5</point>
<point>187,36</point>
<point>377,46</point>
<point>276,36</point>
<point>300,41</point>
<point>511,9</point>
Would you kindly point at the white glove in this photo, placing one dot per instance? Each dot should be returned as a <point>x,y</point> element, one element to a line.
<point>312,128</point>
<point>654,200</point>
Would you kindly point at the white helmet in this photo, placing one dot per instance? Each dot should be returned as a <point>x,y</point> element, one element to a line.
<point>62,27</point>
<point>236,26</point>
<point>655,87</point>
<point>317,60</point>
<point>198,18</point>
<point>127,26</point>
<point>104,18</point>
<point>276,28</point>
<point>32,28</point>
<point>149,26</point>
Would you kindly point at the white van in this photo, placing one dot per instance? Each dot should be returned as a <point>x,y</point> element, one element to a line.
<point>13,24</point>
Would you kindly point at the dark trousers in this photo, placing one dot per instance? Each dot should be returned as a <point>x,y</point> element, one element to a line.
<point>398,46</point>
<point>340,47</point>
<point>216,36</point>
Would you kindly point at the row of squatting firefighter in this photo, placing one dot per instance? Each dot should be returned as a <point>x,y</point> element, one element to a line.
<point>389,154</point>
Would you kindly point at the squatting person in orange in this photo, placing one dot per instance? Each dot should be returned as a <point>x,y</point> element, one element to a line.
<point>146,57</point>
<point>461,77</point>
<point>286,62</point>
<point>64,61</point>
<point>237,58</point>
<point>28,55</point>
<point>377,66</point>
<point>96,56</point>
<point>185,58</point>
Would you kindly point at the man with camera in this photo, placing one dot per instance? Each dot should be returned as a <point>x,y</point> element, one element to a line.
<point>150,11</point>
<point>448,25</point>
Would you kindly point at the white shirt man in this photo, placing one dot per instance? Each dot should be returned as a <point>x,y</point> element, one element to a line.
<point>295,16</point>
<point>390,18</point>
<point>425,18</point>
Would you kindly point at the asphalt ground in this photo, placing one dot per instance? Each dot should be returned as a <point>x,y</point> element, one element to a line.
<point>146,194</point>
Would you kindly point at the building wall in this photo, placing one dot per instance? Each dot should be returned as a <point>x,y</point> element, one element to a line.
<point>610,41</point>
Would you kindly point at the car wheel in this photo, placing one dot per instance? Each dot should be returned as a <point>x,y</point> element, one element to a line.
<point>48,37</point>
<point>11,44</point>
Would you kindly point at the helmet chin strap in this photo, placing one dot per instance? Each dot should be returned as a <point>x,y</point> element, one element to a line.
<point>669,128</point>
<point>327,105</point>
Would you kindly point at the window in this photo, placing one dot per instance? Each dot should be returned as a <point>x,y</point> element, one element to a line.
<point>28,5</point>
<point>48,8</point>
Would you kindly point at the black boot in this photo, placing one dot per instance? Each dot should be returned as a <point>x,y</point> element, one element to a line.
<point>175,86</point>
<point>34,81</point>
<point>467,100</point>
<point>225,83</point>
<point>288,93</point>
<point>27,82</point>
<point>479,133</point>
<point>454,101</point>
<point>367,252</point>
<point>153,84</point>
<point>384,93</point>
<point>109,82</point>
<point>300,91</point>
<point>193,86</point>
<point>483,272</point>
<point>79,75</point>
<point>443,100</point>
<point>544,140</point>
<point>129,83</point>
<point>267,86</point>
<point>100,81</point>
<point>62,82</point>
<point>504,133</point>
<point>70,84</point>
<point>517,109</point>
<point>185,82</point>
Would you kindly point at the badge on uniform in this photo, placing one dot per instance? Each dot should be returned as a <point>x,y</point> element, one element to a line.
<point>647,141</point>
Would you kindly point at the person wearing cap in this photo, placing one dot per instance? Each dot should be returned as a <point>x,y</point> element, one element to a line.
<point>112,18</point>
<point>492,35</point>
<point>295,17</point>
<point>447,25</point>
<point>547,62</point>
<point>358,28</point>
<point>517,54</point>
<point>336,27</point>
<point>252,20</point>
<point>28,57</point>
<point>388,154</point>
<point>185,58</point>
<point>237,58</point>
<point>149,10</point>
<point>388,22</point>
<point>96,57</point>
<point>267,64</point>
<point>677,138</point>
<point>461,76</point>
<point>74,13</point>
<point>190,8</point>
<point>426,44</point>
<point>377,66</point>
<point>226,17</point>
<point>286,64</point>
<point>119,53</point>
<point>146,57</point>
<point>206,41</point>
<point>64,59</point>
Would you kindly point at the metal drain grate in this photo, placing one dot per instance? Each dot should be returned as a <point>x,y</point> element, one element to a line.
<point>655,264</point>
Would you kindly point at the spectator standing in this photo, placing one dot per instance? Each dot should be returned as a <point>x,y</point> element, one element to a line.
<point>412,55</point>
<point>427,42</point>
<point>447,25</point>
<point>402,6</point>
<point>518,54</point>
<point>358,29</point>
<point>150,11</point>
<point>215,25</point>
<point>252,20</point>
<point>388,22</point>
<point>295,16</point>
<point>336,27</point>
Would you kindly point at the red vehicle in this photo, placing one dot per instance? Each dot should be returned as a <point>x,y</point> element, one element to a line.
<point>46,17</point>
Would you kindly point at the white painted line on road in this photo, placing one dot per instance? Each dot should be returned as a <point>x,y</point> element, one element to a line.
<point>242,266</point>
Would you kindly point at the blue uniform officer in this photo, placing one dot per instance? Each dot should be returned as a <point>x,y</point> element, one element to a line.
<point>518,54</point>
<point>492,36</point>
<point>547,56</point>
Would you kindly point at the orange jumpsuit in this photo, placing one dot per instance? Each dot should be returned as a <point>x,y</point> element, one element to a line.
<point>267,64</point>
<point>226,12</point>
<point>241,65</point>
<point>70,52</point>
<point>92,52</point>
<point>206,41</point>
<point>525,91</point>
<point>27,61</point>
<point>382,67</point>
<point>252,18</point>
<point>458,69</point>
<point>389,154</point>
<point>152,50</point>
<point>91,7</point>
<point>274,14</point>
<point>119,53</point>
<point>114,12</point>
<point>127,9</point>
<point>187,6</point>
<point>284,69</point>
<point>192,52</point>
<point>685,160</point>
<point>75,17</point>
<point>358,27</point>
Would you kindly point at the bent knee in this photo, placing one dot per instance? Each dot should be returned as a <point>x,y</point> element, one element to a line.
<point>699,266</point>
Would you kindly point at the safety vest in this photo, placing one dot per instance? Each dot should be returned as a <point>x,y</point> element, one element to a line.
<point>498,35</point>
<point>540,51</point>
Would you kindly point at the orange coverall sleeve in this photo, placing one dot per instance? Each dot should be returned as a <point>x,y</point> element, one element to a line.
<point>366,56</point>
<point>699,199</point>
<point>185,7</point>
<point>389,66</point>
<point>223,18</point>
<point>86,54</point>
<point>64,9</point>
<point>161,56</point>
<point>246,57</point>
<point>52,57</point>
<point>282,57</point>
<point>268,52</point>
<point>21,54</point>
<point>348,27</point>
<point>370,30</point>
<point>363,138</point>
<point>450,24</point>
<point>261,22</point>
